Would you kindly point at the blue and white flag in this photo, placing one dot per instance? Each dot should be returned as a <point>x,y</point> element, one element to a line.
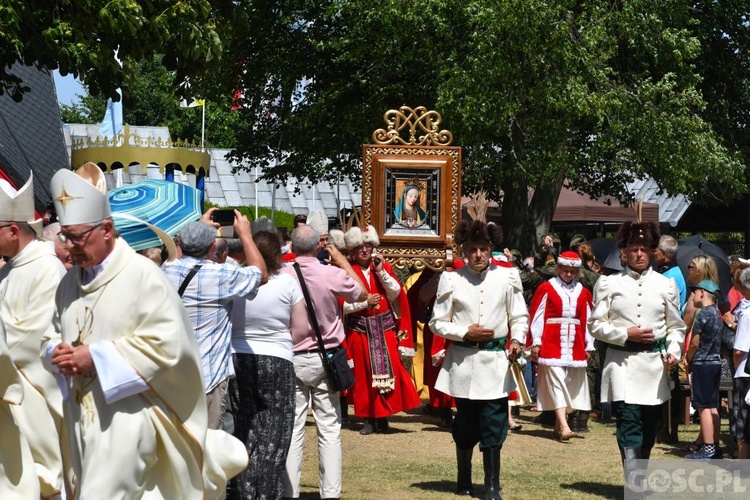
<point>112,124</point>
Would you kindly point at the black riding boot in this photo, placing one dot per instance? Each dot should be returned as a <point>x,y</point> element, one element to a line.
<point>545,419</point>
<point>627,468</point>
<point>463,483</point>
<point>446,417</point>
<point>381,424</point>
<point>573,421</point>
<point>583,421</point>
<point>492,474</point>
<point>344,410</point>
<point>627,453</point>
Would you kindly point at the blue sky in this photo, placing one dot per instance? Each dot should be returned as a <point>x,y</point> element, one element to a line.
<point>67,89</point>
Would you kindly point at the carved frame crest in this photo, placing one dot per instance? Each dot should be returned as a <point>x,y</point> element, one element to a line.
<point>411,189</point>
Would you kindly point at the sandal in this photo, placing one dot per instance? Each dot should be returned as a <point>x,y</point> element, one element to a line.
<point>564,435</point>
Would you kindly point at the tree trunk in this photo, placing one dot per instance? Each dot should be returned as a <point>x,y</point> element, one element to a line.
<point>517,233</point>
<point>542,206</point>
<point>524,222</point>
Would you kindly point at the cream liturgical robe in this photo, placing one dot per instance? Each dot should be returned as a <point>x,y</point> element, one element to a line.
<point>648,300</point>
<point>18,478</point>
<point>493,299</point>
<point>153,443</point>
<point>27,301</point>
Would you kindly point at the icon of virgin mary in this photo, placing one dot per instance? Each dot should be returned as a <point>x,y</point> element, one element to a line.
<point>408,212</point>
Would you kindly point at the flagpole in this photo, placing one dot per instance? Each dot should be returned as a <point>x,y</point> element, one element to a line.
<point>203,126</point>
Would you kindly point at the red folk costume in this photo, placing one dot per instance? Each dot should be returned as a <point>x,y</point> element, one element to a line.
<point>375,340</point>
<point>559,313</point>
<point>558,323</point>
<point>435,348</point>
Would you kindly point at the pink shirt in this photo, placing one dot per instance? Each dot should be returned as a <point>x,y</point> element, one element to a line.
<point>325,285</point>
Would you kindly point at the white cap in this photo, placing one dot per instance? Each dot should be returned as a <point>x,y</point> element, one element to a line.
<point>18,206</point>
<point>353,238</point>
<point>80,197</point>
<point>319,221</point>
<point>369,235</point>
<point>336,238</point>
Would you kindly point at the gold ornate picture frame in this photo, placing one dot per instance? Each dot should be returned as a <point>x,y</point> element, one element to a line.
<point>411,189</point>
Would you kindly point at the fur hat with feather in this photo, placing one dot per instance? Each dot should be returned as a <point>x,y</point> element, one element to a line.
<point>638,232</point>
<point>643,233</point>
<point>477,230</point>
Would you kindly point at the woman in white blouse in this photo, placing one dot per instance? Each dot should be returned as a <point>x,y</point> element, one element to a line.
<point>262,394</point>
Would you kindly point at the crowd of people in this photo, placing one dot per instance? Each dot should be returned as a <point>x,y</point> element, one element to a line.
<point>168,381</point>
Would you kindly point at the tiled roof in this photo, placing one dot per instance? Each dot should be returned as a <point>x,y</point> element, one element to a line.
<point>671,208</point>
<point>31,136</point>
<point>225,188</point>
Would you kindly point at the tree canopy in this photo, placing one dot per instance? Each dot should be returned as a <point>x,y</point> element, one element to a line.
<point>539,93</point>
<point>83,37</point>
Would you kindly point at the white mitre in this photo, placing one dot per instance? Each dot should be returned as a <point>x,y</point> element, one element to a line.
<point>80,197</point>
<point>18,205</point>
<point>318,220</point>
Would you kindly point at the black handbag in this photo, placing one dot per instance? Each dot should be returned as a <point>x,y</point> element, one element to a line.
<point>340,375</point>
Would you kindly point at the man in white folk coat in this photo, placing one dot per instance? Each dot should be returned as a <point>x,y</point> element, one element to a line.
<point>27,300</point>
<point>127,361</point>
<point>636,312</point>
<point>477,307</point>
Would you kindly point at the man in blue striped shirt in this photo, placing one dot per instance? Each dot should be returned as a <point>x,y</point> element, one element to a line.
<point>208,289</point>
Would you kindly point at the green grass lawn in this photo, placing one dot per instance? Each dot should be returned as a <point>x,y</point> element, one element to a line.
<point>416,460</point>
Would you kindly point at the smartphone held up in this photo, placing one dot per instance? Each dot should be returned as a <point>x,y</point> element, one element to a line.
<point>225,219</point>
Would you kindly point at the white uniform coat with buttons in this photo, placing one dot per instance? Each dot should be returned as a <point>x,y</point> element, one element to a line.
<point>493,299</point>
<point>646,300</point>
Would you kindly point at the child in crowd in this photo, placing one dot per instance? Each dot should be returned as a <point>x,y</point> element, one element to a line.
<point>704,358</point>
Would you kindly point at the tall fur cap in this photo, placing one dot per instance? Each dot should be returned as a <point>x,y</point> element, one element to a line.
<point>356,237</point>
<point>644,233</point>
<point>478,231</point>
<point>336,237</point>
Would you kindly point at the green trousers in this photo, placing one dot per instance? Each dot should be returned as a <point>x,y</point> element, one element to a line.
<point>480,421</point>
<point>636,424</point>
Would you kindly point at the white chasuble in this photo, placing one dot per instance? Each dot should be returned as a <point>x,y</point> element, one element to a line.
<point>27,301</point>
<point>152,444</point>
<point>18,478</point>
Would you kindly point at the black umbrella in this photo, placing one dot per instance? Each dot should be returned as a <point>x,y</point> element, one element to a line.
<point>690,247</point>
<point>602,248</point>
<point>613,260</point>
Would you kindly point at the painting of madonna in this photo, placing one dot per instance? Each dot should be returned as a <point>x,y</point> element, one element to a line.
<point>408,212</point>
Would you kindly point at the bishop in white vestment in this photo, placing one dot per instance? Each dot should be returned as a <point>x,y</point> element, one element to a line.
<point>135,411</point>
<point>27,300</point>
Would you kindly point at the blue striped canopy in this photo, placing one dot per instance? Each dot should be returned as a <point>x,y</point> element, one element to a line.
<point>167,205</point>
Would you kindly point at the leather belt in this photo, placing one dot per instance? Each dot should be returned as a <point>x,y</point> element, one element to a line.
<point>631,346</point>
<point>490,345</point>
